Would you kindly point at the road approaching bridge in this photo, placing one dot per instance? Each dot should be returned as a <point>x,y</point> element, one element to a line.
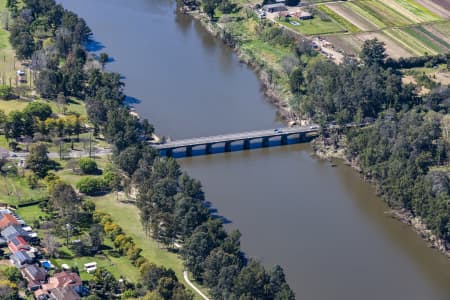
<point>245,138</point>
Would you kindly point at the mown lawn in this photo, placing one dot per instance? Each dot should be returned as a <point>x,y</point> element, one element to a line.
<point>127,216</point>
<point>315,26</point>
<point>30,213</point>
<point>15,190</point>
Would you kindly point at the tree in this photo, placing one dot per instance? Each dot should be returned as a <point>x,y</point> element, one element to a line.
<point>38,110</point>
<point>50,243</point>
<point>64,199</point>
<point>296,80</point>
<point>8,290</point>
<point>13,274</point>
<point>14,126</point>
<point>209,7</point>
<point>38,160</point>
<point>103,283</point>
<point>103,59</point>
<point>373,52</point>
<point>96,234</point>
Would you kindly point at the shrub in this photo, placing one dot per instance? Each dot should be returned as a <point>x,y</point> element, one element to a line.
<point>91,186</point>
<point>88,166</point>
<point>6,92</point>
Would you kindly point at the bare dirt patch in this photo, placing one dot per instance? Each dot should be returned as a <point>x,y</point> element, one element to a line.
<point>443,76</point>
<point>443,3</point>
<point>439,7</point>
<point>348,43</point>
<point>352,17</point>
<point>393,49</point>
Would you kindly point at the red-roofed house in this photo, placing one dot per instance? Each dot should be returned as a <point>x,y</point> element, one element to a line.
<point>6,220</point>
<point>62,279</point>
<point>59,280</point>
<point>18,244</point>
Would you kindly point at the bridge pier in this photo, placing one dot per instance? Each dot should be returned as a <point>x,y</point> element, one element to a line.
<point>284,140</point>
<point>301,137</point>
<point>227,147</point>
<point>208,148</point>
<point>189,151</point>
<point>265,142</point>
<point>246,144</point>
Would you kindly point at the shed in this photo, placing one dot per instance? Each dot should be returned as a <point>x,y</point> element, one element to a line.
<point>271,8</point>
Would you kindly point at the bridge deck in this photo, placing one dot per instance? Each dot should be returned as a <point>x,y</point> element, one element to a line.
<point>236,137</point>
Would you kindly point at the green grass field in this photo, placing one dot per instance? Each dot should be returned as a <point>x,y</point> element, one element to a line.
<point>338,19</point>
<point>127,216</point>
<point>315,26</point>
<point>15,191</point>
<point>30,213</point>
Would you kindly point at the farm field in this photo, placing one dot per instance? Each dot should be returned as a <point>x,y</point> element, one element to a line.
<point>439,7</point>
<point>353,17</point>
<point>407,27</point>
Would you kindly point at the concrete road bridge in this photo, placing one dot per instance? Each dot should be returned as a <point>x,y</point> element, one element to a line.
<point>300,134</point>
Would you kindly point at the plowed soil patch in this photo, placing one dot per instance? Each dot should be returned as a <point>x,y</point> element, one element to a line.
<point>353,17</point>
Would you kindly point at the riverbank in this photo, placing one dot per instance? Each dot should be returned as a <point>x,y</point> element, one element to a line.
<point>328,149</point>
<point>277,93</point>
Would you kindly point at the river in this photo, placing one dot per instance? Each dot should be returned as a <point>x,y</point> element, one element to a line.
<point>323,225</point>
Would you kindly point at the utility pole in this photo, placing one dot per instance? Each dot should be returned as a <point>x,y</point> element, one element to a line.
<point>90,144</point>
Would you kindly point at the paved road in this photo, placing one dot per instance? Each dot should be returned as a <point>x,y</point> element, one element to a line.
<point>237,137</point>
<point>71,154</point>
<point>186,278</point>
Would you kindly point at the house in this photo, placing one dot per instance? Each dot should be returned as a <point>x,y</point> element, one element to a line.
<point>7,220</point>
<point>271,8</point>
<point>13,231</point>
<point>20,259</point>
<point>65,293</point>
<point>33,273</point>
<point>302,15</point>
<point>17,244</point>
<point>61,280</point>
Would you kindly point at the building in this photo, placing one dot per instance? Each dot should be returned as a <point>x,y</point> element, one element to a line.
<point>7,220</point>
<point>302,15</point>
<point>277,7</point>
<point>17,244</point>
<point>34,273</point>
<point>62,279</point>
<point>13,231</point>
<point>65,293</point>
<point>20,259</point>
